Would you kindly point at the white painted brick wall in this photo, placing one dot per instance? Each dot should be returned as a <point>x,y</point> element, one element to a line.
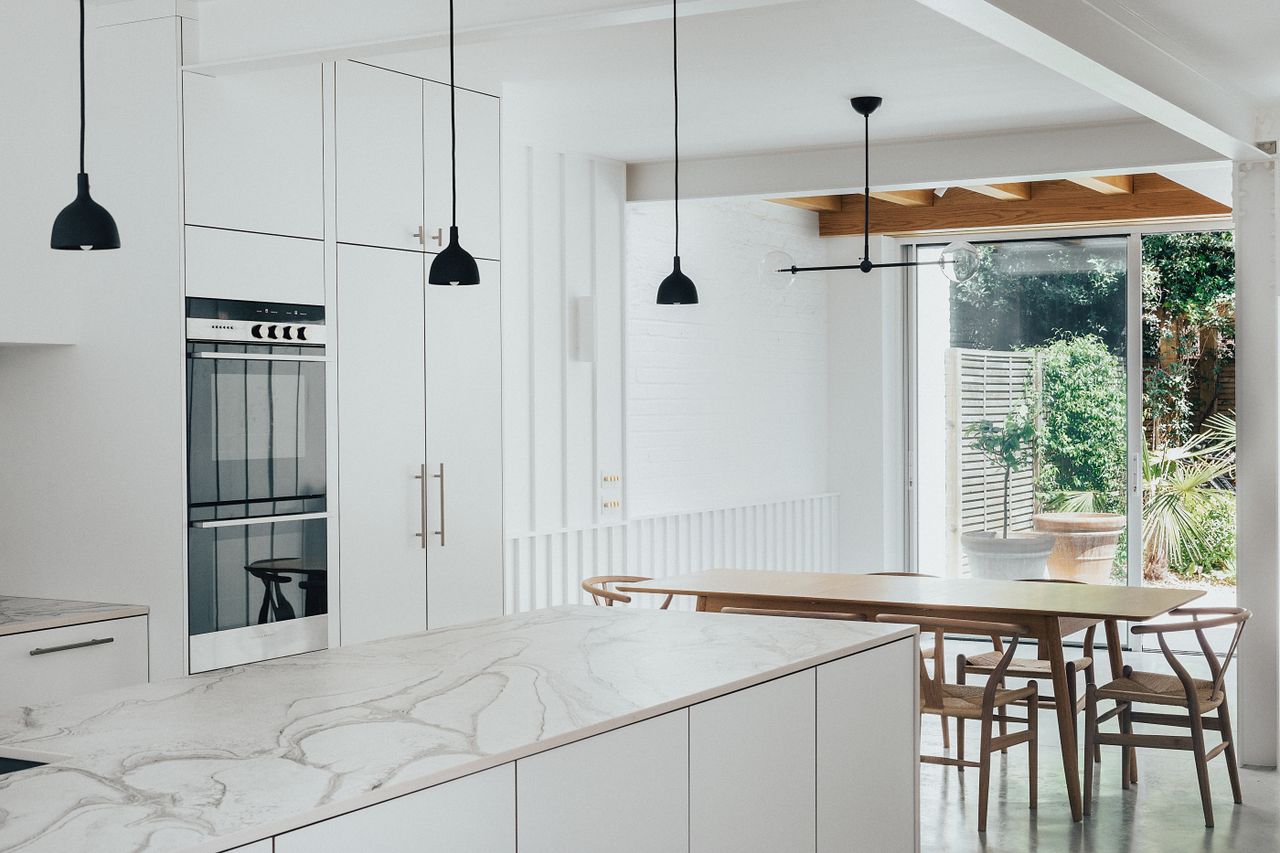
<point>726,400</point>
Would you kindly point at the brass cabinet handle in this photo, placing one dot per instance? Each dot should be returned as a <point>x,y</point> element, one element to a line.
<point>102,641</point>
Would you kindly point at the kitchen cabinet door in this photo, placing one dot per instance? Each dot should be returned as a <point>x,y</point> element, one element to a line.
<point>474,814</point>
<point>478,169</point>
<point>224,264</point>
<point>254,150</point>
<point>464,435</point>
<point>751,769</point>
<point>381,443</point>
<point>626,791</point>
<point>867,751</point>
<point>58,663</point>
<point>378,118</point>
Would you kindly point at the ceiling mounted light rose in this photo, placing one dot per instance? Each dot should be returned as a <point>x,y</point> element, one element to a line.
<point>677,288</point>
<point>454,264</point>
<point>958,261</point>
<point>84,224</point>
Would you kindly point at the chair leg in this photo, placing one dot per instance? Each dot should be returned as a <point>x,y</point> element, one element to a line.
<point>1033,744</point>
<point>1089,682</point>
<point>1091,744</point>
<point>959,720</point>
<point>940,676</point>
<point>1224,717</point>
<point>1202,765</point>
<point>1126,752</point>
<point>984,772</point>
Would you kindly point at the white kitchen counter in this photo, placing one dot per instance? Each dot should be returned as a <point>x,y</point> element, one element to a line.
<point>212,761</point>
<point>19,615</point>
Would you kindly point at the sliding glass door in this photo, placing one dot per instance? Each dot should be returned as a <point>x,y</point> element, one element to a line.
<point>1023,414</point>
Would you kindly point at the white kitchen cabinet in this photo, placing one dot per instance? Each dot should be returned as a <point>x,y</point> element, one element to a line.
<point>867,772</point>
<point>55,663</point>
<point>478,169</point>
<point>626,791</point>
<point>379,158</point>
<point>254,152</point>
<point>752,787</point>
<point>475,814</point>
<point>256,267</point>
<point>464,442</point>
<point>381,443</point>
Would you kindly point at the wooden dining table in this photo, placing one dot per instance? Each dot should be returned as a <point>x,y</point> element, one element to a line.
<point>1049,611</point>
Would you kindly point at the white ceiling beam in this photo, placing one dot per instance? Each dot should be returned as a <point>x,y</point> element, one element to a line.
<point>1033,155</point>
<point>1082,41</point>
<point>359,31</point>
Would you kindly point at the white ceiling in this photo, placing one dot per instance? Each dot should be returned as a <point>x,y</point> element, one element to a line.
<point>1236,41</point>
<point>766,79</point>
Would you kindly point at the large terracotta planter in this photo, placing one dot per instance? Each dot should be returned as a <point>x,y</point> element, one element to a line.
<point>1019,557</point>
<point>1084,544</point>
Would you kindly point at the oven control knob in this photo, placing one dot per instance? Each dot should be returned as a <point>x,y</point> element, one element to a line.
<point>301,333</point>
<point>285,332</point>
<point>256,331</point>
<point>271,332</point>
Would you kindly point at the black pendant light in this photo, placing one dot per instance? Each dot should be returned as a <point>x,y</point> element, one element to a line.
<point>677,288</point>
<point>454,265</point>
<point>958,261</point>
<point>84,224</point>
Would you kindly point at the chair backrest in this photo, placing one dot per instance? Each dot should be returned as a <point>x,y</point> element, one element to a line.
<point>1202,618</point>
<point>598,588</point>
<point>796,614</point>
<point>930,689</point>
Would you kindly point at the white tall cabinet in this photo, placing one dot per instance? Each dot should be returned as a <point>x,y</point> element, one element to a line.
<point>419,390</point>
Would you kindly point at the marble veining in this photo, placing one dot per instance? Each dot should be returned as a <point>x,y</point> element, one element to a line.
<point>212,761</point>
<point>19,615</point>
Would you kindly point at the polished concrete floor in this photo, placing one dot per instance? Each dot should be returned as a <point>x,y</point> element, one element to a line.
<point>1161,814</point>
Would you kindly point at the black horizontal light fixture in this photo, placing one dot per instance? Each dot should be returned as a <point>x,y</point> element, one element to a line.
<point>677,288</point>
<point>454,264</point>
<point>84,224</point>
<point>958,261</point>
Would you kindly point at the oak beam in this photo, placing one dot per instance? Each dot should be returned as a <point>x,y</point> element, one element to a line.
<point>1004,192</point>
<point>906,198</point>
<point>1107,184</point>
<point>819,203</point>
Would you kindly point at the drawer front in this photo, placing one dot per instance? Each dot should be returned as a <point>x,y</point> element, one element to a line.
<point>72,660</point>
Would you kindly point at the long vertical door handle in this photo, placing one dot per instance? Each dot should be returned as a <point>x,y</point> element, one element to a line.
<point>421,476</point>
<point>440,477</point>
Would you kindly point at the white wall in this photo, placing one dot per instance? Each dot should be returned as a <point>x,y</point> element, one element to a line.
<point>726,400</point>
<point>85,428</point>
<point>867,382</point>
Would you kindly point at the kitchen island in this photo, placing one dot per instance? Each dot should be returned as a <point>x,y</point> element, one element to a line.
<point>661,731</point>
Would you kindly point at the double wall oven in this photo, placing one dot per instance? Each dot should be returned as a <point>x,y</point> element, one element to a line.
<point>257,540</point>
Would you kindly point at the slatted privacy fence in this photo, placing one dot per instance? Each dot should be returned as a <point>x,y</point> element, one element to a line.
<point>985,385</point>
<point>546,569</point>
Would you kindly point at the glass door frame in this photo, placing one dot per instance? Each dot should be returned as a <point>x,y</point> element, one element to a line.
<point>1133,232</point>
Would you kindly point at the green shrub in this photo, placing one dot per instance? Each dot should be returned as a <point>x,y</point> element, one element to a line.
<point>1216,519</point>
<point>1083,436</point>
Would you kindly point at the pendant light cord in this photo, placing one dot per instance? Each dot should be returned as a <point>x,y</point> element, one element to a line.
<point>866,187</point>
<point>82,87</point>
<point>675,90</point>
<point>453,121</point>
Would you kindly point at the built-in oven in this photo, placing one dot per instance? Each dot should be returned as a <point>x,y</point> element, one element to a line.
<point>257,539</point>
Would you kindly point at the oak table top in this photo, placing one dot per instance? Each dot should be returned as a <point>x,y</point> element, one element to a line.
<point>960,595</point>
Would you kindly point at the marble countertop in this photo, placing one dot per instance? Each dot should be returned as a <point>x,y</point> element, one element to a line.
<point>19,615</point>
<point>213,761</point>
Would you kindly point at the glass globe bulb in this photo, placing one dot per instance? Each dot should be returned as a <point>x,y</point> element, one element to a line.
<point>959,261</point>
<point>775,270</point>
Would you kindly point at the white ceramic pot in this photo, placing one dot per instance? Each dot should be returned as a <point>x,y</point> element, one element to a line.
<point>1023,555</point>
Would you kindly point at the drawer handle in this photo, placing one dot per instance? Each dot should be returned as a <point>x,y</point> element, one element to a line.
<point>102,641</point>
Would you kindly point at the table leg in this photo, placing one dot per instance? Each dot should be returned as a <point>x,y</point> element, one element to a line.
<point>1051,641</point>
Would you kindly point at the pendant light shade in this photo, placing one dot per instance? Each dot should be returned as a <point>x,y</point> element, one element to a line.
<point>84,224</point>
<point>677,288</point>
<point>454,264</point>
